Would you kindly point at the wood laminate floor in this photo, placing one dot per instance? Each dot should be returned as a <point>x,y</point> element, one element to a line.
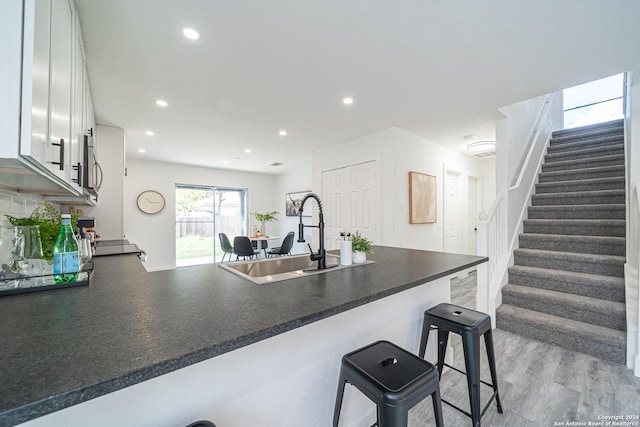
<point>541,385</point>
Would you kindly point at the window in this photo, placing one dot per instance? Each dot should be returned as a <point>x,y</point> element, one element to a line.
<point>595,102</point>
<point>202,213</point>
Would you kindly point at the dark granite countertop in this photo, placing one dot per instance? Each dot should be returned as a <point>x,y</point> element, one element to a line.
<point>63,347</point>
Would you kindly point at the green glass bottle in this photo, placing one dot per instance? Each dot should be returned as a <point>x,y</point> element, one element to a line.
<point>66,259</point>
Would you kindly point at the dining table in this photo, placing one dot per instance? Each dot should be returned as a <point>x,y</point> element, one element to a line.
<point>262,242</point>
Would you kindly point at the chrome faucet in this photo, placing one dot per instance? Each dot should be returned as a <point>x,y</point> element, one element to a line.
<point>321,256</point>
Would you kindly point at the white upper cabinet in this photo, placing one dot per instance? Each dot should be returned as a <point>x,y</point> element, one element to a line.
<point>47,117</point>
<point>60,87</point>
<point>78,121</point>
<point>35,83</point>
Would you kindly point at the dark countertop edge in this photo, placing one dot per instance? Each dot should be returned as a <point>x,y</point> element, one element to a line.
<point>73,397</point>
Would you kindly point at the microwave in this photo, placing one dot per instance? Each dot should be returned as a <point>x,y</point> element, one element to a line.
<point>91,171</point>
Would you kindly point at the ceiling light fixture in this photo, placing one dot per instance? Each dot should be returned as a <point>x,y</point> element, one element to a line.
<point>142,150</point>
<point>283,133</point>
<point>191,34</point>
<point>347,100</point>
<point>162,103</point>
<point>481,145</point>
<point>247,150</point>
<point>149,133</point>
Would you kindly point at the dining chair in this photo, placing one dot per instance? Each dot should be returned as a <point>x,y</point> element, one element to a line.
<point>285,248</point>
<point>242,248</point>
<point>225,244</point>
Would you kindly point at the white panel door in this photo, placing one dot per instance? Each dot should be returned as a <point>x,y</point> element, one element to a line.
<point>472,216</point>
<point>333,196</point>
<point>351,199</point>
<point>451,207</point>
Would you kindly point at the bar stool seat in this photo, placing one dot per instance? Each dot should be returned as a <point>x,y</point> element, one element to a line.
<point>393,378</point>
<point>470,325</point>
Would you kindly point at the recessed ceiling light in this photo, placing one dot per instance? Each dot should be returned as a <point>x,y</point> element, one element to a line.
<point>225,162</point>
<point>162,103</point>
<point>149,132</point>
<point>191,34</point>
<point>247,150</point>
<point>283,133</point>
<point>347,100</point>
<point>142,150</point>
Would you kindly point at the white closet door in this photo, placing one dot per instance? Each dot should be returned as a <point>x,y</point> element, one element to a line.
<point>351,198</point>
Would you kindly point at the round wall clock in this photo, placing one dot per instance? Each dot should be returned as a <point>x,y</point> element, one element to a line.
<point>150,202</point>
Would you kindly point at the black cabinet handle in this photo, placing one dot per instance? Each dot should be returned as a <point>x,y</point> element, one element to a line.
<point>78,168</point>
<point>61,145</point>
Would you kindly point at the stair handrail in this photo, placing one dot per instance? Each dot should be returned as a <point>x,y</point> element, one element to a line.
<point>533,136</point>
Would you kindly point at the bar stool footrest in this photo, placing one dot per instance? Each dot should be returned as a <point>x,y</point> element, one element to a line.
<point>491,399</point>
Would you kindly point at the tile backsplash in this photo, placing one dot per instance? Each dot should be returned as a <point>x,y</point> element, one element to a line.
<point>16,204</point>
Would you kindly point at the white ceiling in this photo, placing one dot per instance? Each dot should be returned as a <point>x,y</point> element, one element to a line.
<point>437,68</point>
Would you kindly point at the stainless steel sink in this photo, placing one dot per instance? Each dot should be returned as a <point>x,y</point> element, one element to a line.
<point>281,268</point>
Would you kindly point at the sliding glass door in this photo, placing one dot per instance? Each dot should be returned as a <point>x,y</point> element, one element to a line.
<point>203,212</point>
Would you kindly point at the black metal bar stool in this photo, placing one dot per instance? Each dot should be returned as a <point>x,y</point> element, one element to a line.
<point>393,378</point>
<point>469,324</point>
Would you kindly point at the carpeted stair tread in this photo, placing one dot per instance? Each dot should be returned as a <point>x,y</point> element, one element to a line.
<point>594,311</point>
<point>598,211</point>
<point>596,184</point>
<point>589,285</point>
<point>613,126</point>
<point>584,153</point>
<point>588,142</point>
<point>582,173</point>
<point>583,227</point>
<point>604,245</point>
<point>579,198</point>
<point>604,343</point>
<point>606,265</point>
<point>612,160</point>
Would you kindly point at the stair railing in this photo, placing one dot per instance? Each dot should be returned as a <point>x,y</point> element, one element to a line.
<point>495,239</point>
<point>492,227</point>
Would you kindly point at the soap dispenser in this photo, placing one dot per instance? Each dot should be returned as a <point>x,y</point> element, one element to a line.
<point>345,249</point>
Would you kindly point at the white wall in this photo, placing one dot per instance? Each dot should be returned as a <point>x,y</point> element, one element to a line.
<point>398,152</point>
<point>155,234</point>
<point>295,181</point>
<point>632,267</point>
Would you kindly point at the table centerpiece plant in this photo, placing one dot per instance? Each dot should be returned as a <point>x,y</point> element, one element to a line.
<point>361,246</point>
<point>263,218</point>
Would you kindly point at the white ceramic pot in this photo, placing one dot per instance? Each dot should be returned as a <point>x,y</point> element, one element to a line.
<point>359,257</point>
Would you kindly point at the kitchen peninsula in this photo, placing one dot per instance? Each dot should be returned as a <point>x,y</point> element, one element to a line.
<point>169,347</point>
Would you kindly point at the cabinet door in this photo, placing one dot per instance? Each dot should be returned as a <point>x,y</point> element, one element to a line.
<point>60,86</point>
<point>35,87</point>
<point>78,118</point>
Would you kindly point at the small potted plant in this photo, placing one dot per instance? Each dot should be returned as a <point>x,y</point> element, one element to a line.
<point>263,218</point>
<point>361,246</point>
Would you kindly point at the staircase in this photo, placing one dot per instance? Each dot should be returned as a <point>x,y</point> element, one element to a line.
<point>566,286</point>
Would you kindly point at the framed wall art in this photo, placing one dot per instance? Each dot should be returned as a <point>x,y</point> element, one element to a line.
<point>293,201</point>
<point>422,198</point>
